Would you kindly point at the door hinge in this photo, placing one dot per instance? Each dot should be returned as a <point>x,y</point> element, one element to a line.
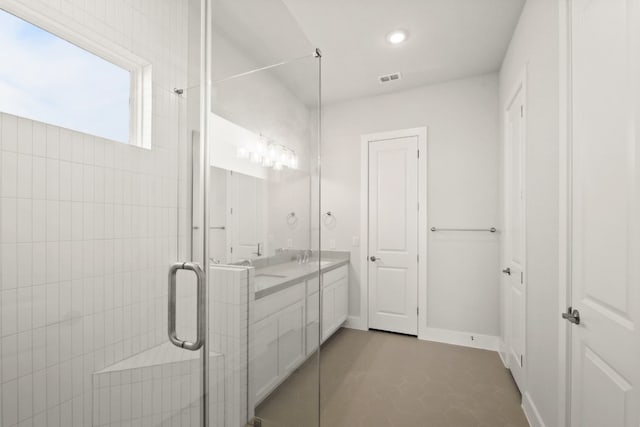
<point>231,210</point>
<point>418,257</point>
<point>522,111</point>
<point>521,361</point>
<point>231,249</point>
<point>418,153</point>
<point>521,277</point>
<point>418,311</point>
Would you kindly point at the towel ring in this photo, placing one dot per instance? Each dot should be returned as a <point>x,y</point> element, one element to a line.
<point>328,218</point>
<point>292,218</point>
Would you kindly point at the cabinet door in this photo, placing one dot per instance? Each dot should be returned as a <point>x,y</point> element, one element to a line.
<point>341,302</point>
<point>266,356</point>
<point>291,326</point>
<point>313,333</point>
<point>328,311</point>
<point>313,308</point>
<point>313,322</point>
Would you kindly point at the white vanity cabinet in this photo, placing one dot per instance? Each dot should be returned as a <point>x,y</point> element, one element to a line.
<point>279,330</point>
<point>286,326</point>
<point>335,300</point>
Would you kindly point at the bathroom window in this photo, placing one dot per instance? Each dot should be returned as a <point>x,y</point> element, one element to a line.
<point>60,77</point>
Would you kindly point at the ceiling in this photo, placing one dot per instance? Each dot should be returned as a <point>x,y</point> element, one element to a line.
<point>448,40</point>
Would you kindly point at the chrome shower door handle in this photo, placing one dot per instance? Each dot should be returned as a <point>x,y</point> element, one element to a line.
<point>201,307</point>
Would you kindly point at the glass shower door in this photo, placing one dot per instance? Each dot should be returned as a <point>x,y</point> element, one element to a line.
<point>263,245</point>
<point>91,222</point>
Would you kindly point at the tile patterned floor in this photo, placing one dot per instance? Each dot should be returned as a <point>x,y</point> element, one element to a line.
<point>378,379</point>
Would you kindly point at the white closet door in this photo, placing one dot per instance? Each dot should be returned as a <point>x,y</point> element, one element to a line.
<point>393,235</point>
<point>515,239</point>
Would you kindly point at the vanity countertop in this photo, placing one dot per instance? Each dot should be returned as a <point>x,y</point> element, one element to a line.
<point>274,278</point>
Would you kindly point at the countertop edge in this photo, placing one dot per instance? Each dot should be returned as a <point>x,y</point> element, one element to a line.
<point>284,285</point>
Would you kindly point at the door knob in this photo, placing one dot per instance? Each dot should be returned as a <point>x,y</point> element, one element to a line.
<point>572,315</point>
<point>374,259</point>
<point>507,271</point>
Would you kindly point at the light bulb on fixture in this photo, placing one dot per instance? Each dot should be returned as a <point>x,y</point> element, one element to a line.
<point>261,145</point>
<point>284,157</point>
<point>256,157</point>
<point>289,162</point>
<point>273,153</point>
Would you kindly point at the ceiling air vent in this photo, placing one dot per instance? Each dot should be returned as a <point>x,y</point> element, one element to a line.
<point>389,77</point>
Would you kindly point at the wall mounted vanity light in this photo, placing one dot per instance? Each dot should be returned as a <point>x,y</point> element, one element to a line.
<point>269,154</point>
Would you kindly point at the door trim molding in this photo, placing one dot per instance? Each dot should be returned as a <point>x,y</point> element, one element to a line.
<point>421,132</point>
<point>565,211</point>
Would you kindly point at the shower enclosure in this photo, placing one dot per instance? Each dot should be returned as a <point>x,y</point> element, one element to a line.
<point>171,278</point>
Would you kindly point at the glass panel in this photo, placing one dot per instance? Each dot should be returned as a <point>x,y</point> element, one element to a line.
<point>89,228</point>
<point>263,244</point>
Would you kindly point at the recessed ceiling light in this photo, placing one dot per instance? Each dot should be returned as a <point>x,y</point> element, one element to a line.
<point>397,36</point>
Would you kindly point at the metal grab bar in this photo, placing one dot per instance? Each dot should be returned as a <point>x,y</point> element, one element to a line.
<point>220,227</point>
<point>201,309</point>
<point>491,230</point>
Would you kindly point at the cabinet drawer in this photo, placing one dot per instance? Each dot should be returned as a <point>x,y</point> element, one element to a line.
<point>275,302</point>
<point>333,276</point>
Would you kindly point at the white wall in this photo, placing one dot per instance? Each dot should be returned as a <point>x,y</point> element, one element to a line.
<point>463,175</point>
<point>535,45</point>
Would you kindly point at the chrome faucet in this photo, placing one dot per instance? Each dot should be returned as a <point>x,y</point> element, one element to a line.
<point>245,261</point>
<point>259,253</point>
<point>306,257</point>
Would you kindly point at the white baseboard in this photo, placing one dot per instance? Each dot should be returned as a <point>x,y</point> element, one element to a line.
<point>531,412</point>
<point>466,339</point>
<point>503,354</point>
<point>355,322</point>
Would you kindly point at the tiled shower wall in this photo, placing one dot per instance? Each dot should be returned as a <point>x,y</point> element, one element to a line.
<point>88,228</point>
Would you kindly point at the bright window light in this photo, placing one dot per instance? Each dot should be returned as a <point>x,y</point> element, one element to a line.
<point>48,79</point>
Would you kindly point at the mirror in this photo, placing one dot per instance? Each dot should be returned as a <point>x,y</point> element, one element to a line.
<point>253,218</point>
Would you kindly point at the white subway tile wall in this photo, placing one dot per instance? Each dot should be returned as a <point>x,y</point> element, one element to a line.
<point>88,228</point>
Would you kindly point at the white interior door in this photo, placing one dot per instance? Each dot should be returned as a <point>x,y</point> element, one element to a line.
<point>248,216</point>
<point>605,215</point>
<point>393,235</point>
<point>515,238</point>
